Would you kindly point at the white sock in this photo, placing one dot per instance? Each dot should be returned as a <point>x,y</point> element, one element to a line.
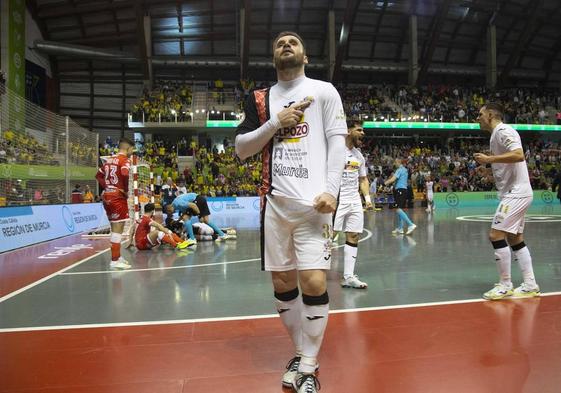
<point>314,323</point>
<point>502,257</point>
<point>350,253</point>
<point>290,313</point>
<point>522,254</point>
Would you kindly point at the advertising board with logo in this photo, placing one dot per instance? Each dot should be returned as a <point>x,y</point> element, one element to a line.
<point>484,199</point>
<point>240,212</point>
<point>26,225</point>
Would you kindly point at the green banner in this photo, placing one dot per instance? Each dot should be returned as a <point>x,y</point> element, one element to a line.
<point>454,126</point>
<point>44,172</point>
<point>16,64</point>
<point>485,199</point>
<point>418,125</point>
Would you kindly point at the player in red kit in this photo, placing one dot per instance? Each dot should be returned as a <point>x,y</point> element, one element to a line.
<point>113,177</point>
<point>145,238</point>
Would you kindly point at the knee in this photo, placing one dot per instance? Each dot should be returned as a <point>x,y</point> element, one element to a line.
<point>352,238</point>
<point>495,236</point>
<point>284,281</point>
<point>514,239</point>
<point>313,284</point>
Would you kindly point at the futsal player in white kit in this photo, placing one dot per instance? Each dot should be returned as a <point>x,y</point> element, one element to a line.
<point>349,216</point>
<point>515,197</point>
<point>299,127</point>
<point>429,185</point>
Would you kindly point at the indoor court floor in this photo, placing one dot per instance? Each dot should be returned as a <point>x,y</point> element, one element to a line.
<point>203,320</point>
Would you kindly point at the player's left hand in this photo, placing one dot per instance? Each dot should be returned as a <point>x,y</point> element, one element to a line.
<point>369,206</point>
<point>325,203</point>
<point>482,158</point>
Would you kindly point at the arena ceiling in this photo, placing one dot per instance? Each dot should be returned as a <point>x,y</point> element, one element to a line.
<point>102,52</point>
<point>203,39</point>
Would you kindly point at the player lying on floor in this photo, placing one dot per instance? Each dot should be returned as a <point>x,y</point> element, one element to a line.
<point>204,232</point>
<point>145,238</point>
<point>199,206</point>
<point>201,231</point>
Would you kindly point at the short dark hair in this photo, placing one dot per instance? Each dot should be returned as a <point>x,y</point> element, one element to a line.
<point>354,123</point>
<point>124,140</point>
<point>495,107</point>
<point>285,33</point>
<point>149,208</point>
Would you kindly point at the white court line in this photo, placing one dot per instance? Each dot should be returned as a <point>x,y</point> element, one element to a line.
<point>62,271</point>
<point>368,236</point>
<point>33,284</point>
<point>160,268</point>
<point>250,317</point>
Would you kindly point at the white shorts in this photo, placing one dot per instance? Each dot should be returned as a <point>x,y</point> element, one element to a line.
<point>349,217</point>
<point>294,236</point>
<point>509,216</point>
<point>204,229</point>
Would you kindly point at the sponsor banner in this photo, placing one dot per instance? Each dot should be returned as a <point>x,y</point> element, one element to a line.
<point>242,212</point>
<point>16,64</point>
<point>23,226</point>
<point>484,199</point>
<point>45,172</point>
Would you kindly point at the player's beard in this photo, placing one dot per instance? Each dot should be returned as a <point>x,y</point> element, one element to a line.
<point>289,62</point>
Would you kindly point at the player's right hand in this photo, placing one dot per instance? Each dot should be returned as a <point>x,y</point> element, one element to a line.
<point>291,116</point>
<point>325,203</point>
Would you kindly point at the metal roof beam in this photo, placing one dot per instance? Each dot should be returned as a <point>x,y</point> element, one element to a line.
<point>245,15</point>
<point>457,28</point>
<point>524,39</point>
<point>377,29</point>
<point>440,18</point>
<point>405,21</point>
<point>144,35</point>
<point>342,47</point>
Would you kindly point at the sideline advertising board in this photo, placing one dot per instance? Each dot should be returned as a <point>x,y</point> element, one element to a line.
<point>486,199</point>
<point>242,212</point>
<point>26,225</point>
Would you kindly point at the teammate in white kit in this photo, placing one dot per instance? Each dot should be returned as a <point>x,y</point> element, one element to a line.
<point>299,127</point>
<point>429,184</point>
<point>515,195</point>
<point>350,215</point>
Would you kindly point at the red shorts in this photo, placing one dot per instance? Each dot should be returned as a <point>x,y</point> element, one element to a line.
<point>116,207</point>
<point>142,243</point>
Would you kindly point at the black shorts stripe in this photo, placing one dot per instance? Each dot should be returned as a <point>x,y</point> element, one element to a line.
<point>262,231</point>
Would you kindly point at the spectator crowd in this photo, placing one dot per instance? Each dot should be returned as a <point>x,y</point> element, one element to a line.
<point>171,101</point>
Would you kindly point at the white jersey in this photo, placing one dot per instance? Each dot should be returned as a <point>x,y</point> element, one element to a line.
<point>354,168</point>
<point>430,193</point>
<point>299,154</point>
<point>203,229</point>
<point>512,180</point>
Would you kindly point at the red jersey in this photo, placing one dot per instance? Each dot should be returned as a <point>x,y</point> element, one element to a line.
<point>114,174</point>
<point>142,230</point>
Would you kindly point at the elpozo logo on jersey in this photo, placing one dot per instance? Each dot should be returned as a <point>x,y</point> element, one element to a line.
<point>293,134</point>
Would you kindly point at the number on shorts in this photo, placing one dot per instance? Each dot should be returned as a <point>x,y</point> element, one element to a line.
<point>327,231</point>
